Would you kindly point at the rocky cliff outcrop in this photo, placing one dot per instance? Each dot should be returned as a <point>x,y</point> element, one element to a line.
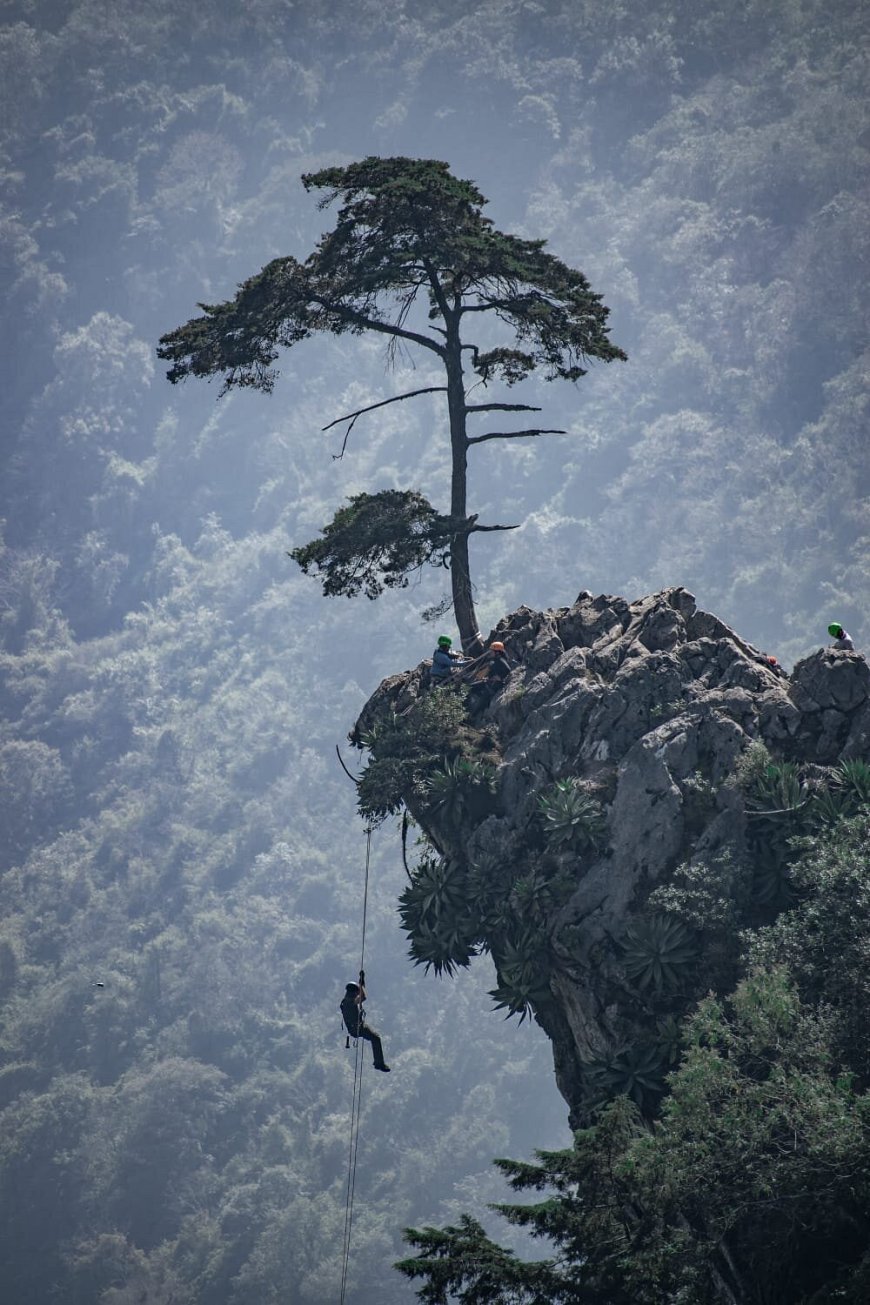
<point>646,709</point>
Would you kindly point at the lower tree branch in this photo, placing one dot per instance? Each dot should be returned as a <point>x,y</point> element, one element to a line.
<point>500,407</point>
<point>397,398</point>
<point>512,435</point>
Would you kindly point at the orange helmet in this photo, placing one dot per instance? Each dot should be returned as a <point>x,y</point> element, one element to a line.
<point>497,646</point>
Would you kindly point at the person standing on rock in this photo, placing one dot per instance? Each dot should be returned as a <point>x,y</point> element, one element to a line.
<point>843,641</point>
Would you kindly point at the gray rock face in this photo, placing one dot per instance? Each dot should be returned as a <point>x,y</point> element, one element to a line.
<point>646,703</point>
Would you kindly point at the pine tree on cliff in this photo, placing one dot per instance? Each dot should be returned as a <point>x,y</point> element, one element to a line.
<point>408,235</point>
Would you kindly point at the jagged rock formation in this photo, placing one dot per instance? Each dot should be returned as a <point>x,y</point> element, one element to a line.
<point>647,706</point>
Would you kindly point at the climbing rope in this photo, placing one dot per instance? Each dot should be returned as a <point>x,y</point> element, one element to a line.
<point>356,1103</point>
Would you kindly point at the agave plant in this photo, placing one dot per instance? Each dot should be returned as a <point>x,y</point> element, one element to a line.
<point>777,789</point>
<point>854,777</point>
<point>830,804</point>
<point>571,817</point>
<point>536,894</point>
<point>637,1071</point>
<point>434,913</point>
<point>657,953</point>
<point>771,878</point>
<point>669,1040</point>
<point>445,949</point>
<point>453,789</point>
<point>523,971</point>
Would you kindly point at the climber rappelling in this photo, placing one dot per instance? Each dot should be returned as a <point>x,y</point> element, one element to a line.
<point>352,1013</point>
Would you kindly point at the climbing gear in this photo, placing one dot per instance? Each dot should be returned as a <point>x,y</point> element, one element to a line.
<point>497,646</point>
<point>444,641</point>
<point>835,629</point>
<point>356,1103</point>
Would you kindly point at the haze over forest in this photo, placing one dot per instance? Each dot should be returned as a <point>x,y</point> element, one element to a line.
<point>176,828</point>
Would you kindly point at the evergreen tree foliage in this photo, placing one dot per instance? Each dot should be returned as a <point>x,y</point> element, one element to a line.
<point>407,233</point>
<point>374,543</point>
<point>754,1182</point>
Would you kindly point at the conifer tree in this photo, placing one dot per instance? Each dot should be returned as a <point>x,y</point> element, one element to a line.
<point>408,236</point>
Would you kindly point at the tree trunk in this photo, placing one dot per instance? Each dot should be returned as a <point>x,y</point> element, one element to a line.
<point>460,573</point>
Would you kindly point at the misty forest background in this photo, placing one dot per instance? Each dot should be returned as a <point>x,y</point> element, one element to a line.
<point>175,825</point>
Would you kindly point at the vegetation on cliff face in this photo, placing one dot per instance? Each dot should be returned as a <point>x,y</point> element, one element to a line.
<point>724,1114</point>
<point>753,1182</point>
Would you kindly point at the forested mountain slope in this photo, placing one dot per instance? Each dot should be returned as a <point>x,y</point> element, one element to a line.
<point>174,825</point>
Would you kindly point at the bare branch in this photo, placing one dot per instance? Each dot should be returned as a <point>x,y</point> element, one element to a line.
<point>512,435</point>
<point>477,528</point>
<point>500,407</point>
<point>397,398</point>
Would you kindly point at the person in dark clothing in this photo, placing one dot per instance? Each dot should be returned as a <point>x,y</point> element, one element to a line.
<point>352,1013</point>
<point>444,662</point>
<point>493,675</point>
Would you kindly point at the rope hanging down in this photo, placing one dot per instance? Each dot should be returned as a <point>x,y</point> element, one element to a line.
<point>356,1103</point>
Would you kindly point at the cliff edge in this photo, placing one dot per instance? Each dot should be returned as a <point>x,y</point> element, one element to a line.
<point>622,808</point>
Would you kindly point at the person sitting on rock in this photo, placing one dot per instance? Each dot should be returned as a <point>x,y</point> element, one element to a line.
<point>352,1013</point>
<point>444,662</point>
<point>493,675</point>
<point>842,641</point>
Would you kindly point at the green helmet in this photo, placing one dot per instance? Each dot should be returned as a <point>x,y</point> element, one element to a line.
<point>835,629</point>
<point>444,641</point>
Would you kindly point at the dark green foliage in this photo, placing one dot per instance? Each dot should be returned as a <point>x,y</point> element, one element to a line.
<point>658,954</point>
<point>758,1172</point>
<point>712,898</point>
<point>777,802</point>
<point>406,751</point>
<point>434,915</point>
<point>777,789</point>
<point>579,1214</point>
<point>824,939</point>
<point>523,967</point>
<point>451,913</point>
<point>461,1263</point>
<point>637,1072</point>
<point>403,226</point>
<point>757,1169</point>
<point>847,792</point>
<point>460,789</point>
<point>707,895</point>
<point>782,805</point>
<point>375,543</point>
<point>572,817</point>
<point>536,894</point>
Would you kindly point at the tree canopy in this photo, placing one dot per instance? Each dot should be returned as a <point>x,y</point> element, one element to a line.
<point>408,235</point>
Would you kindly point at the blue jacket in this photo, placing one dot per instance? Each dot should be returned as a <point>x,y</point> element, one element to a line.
<point>442,664</point>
